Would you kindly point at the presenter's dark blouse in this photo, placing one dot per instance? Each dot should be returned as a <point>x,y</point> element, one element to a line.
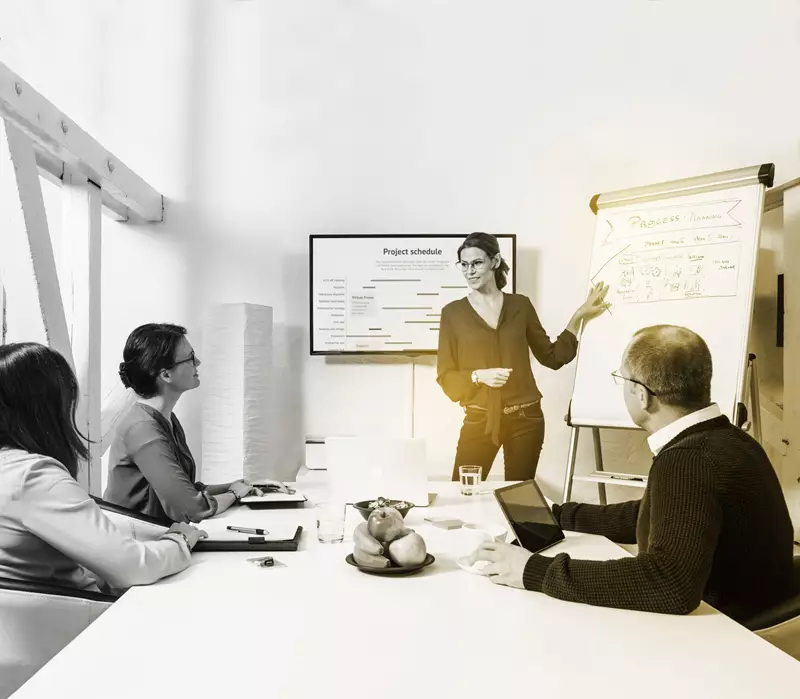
<point>467,343</point>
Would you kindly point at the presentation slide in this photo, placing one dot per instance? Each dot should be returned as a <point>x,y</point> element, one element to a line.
<point>378,294</point>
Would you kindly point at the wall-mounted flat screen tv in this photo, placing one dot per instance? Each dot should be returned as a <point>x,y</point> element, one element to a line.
<point>383,294</point>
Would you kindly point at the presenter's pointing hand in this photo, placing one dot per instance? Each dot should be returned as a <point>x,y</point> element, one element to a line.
<point>595,303</point>
<point>494,378</point>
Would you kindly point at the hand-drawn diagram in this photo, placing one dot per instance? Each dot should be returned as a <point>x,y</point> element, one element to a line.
<point>671,273</point>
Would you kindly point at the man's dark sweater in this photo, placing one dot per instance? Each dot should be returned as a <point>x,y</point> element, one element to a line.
<point>712,525</point>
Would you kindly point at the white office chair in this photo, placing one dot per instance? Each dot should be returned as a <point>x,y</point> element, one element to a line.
<point>36,622</point>
<point>780,625</point>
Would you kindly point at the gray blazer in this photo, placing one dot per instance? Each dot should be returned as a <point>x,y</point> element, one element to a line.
<point>151,469</point>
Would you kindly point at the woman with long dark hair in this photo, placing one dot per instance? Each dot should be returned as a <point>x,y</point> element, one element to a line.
<point>51,530</point>
<point>152,470</point>
<point>484,362</point>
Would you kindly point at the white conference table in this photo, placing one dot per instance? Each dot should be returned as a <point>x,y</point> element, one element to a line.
<point>321,628</point>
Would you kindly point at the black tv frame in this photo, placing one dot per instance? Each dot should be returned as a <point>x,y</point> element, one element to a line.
<point>397,353</point>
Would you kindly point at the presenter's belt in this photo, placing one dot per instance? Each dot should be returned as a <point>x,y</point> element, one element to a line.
<point>494,413</point>
<point>507,409</point>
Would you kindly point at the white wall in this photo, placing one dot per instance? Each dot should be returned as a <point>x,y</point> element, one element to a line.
<point>265,122</point>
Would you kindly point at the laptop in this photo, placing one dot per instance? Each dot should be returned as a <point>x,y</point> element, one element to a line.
<point>365,468</point>
<point>529,516</point>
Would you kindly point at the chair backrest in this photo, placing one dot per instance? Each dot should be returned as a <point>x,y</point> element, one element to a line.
<point>36,622</point>
<point>780,625</point>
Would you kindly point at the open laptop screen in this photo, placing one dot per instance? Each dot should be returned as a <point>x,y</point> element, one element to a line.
<point>366,468</point>
<point>529,516</point>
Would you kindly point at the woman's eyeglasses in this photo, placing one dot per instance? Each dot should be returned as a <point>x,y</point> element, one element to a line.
<point>191,358</point>
<point>620,380</point>
<point>475,265</point>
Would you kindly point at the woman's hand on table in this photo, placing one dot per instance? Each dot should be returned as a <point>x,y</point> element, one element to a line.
<point>240,489</point>
<point>191,534</point>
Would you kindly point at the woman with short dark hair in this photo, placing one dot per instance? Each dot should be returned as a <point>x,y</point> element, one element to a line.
<point>51,530</point>
<point>484,364</point>
<point>152,470</point>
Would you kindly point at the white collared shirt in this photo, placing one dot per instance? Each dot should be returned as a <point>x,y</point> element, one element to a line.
<point>658,440</point>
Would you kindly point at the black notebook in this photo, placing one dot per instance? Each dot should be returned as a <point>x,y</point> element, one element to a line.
<point>243,542</point>
<point>285,539</point>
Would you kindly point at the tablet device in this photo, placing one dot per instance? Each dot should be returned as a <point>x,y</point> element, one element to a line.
<point>529,516</point>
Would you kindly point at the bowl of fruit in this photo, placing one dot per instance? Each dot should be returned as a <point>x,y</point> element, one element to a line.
<point>366,507</point>
<point>383,545</point>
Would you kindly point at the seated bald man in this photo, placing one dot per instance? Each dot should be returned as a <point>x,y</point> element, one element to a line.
<point>713,523</point>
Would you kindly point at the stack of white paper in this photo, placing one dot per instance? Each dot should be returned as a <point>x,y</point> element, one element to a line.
<point>235,374</point>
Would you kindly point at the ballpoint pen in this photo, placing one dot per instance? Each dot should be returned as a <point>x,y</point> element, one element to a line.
<point>248,530</point>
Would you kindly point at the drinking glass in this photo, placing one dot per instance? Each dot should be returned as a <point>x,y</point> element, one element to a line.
<point>470,477</point>
<point>330,522</point>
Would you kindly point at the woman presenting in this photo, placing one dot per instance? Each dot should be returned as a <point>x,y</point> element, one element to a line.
<point>483,362</point>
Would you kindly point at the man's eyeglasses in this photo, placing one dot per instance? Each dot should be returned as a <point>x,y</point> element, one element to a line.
<point>620,380</point>
<point>191,358</point>
<point>476,265</point>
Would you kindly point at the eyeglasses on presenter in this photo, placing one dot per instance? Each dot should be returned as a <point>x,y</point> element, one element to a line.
<point>475,265</point>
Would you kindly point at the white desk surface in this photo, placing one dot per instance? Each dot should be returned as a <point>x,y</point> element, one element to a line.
<point>322,628</point>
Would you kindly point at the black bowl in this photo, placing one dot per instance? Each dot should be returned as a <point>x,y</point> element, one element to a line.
<point>365,506</point>
<point>392,569</point>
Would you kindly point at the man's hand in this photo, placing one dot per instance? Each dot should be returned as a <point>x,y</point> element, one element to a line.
<point>506,562</point>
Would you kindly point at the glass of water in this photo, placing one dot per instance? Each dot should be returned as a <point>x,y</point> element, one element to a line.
<point>330,522</point>
<point>470,477</point>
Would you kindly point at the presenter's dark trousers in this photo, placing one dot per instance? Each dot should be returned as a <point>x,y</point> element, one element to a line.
<point>521,436</point>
